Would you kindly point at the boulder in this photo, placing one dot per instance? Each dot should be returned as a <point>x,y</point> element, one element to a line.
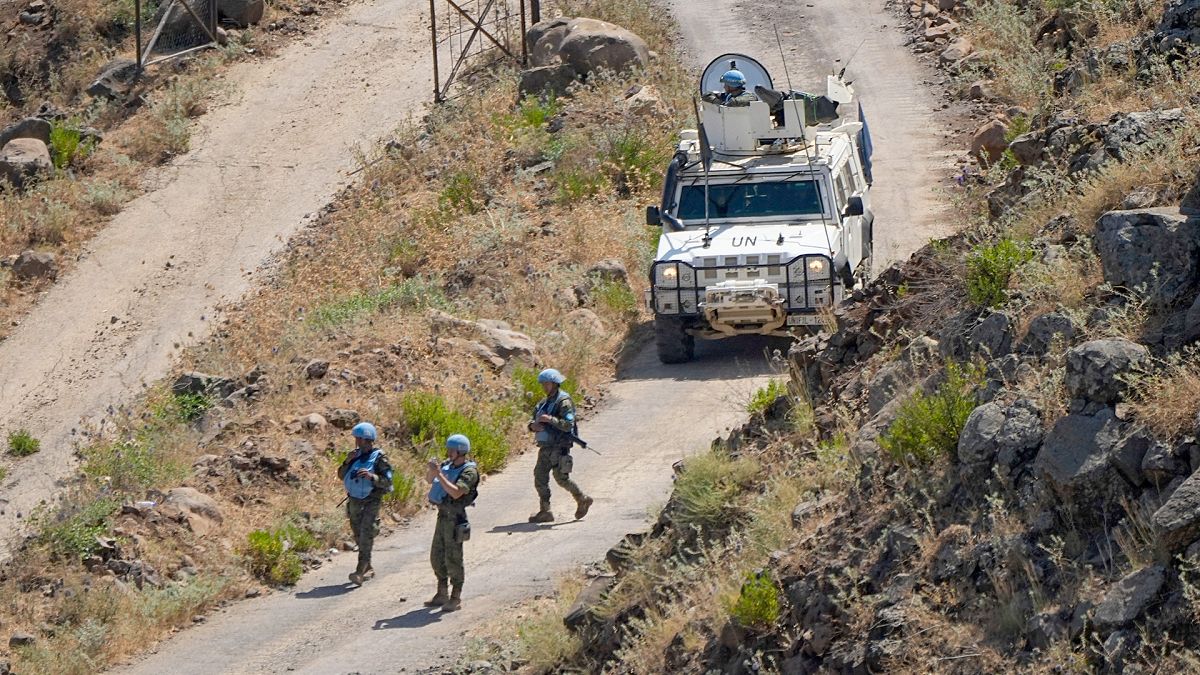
<point>592,45</point>
<point>993,335</point>
<point>646,102</point>
<point>203,384</point>
<point>31,265</point>
<point>1078,457</point>
<point>343,419</point>
<point>30,127</point>
<point>1046,331</point>
<point>200,510</point>
<point>316,369</point>
<point>1190,205</point>
<point>981,90</point>
<point>241,13</point>
<point>947,5</point>
<point>1161,464</point>
<point>547,80</point>
<point>1097,370</point>
<point>586,321</point>
<point>1151,251</point>
<point>313,422</point>
<point>1177,522</point>
<point>114,80</point>
<point>1191,322</point>
<point>943,31</point>
<point>543,40</point>
<point>1028,148</point>
<point>1126,600</point>
<point>20,639</point>
<point>582,611</point>
<point>957,50</point>
<point>23,159</point>
<point>509,344</point>
<point>1180,22</point>
<point>1001,434</point>
<point>609,270</point>
<point>989,141</point>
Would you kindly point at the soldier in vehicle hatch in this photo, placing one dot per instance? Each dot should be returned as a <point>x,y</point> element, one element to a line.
<point>553,424</point>
<point>735,94</point>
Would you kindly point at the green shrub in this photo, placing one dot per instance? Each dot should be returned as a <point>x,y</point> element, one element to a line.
<point>71,532</point>
<point>928,425</point>
<point>67,145</point>
<point>574,185</point>
<point>461,194</point>
<point>708,487</point>
<point>634,160</point>
<point>107,197</point>
<point>617,297</point>
<point>989,268</point>
<point>414,294</point>
<point>764,397</point>
<point>273,555</point>
<point>22,444</point>
<point>185,407</point>
<point>534,112</point>
<point>529,390</point>
<point>757,606</point>
<point>403,487</point>
<point>131,465</point>
<point>430,420</point>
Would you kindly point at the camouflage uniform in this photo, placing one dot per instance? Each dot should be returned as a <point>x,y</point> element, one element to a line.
<point>446,554</point>
<point>553,452</point>
<point>738,98</point>
<point>364,514</point>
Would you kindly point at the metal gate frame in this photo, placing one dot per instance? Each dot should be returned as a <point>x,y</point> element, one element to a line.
<point>476,26</point>
<point>144,51</point>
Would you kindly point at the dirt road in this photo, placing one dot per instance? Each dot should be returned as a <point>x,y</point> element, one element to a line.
<point>149,283</point>
<point>654,415</point>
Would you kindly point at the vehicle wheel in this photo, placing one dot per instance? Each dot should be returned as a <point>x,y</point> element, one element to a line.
<point>673,342</point>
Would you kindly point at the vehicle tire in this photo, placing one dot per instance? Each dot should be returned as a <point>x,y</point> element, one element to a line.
<point>674,344</point>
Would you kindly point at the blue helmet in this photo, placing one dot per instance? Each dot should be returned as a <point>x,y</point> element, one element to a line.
<point>551,375</point>
<point>734,78</point>
<point>459,442</point>
<point>364,430</point>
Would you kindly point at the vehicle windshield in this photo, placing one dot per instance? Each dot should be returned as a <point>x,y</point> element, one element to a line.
<point>751,200</point>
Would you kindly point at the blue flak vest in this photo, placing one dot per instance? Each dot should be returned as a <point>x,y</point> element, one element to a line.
<point>361,488</point>
<point>548,436</point>
<point>437,493</point>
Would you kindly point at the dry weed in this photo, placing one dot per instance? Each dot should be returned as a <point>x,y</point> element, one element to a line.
<point>1168,400</point>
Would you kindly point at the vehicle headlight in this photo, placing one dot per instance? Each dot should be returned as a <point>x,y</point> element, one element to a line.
<point>818,267</point>
<point>670,274</point>
<point>666,275</point>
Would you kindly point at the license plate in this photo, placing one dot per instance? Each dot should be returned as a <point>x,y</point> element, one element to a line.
<point>803,320</point>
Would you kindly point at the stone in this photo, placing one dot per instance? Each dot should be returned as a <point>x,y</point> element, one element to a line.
<point>197,383</point>
<point>1180,22</point>
<point>554,80</point>
<point>1097,370</point>
<point>1029,148</point>
<point>1191,322</point>
<point>943,31</point>
<point>543,40</point>
<point>1077,457</point>
<point>24,159</point>
<point>591,45</point>
<point>994,429</point>
<point>981,90</point>
<point>241,13</point>
<point>31,265</point>
<point>1126,600</point>
<point>586,321</point>
<point>1046,331</point>
<point>313,422</point>
<point>647,103</point>
<point>610,270</point>
<point>114,80</point>
<point>200,510</point>
<point>316,369</point>
<point>30,127</point>
<point>581,611</point>
<point>1161,465</point>
<point>1190,205</point>
<point>1044,629</point>
<point>20,639</point>
<point>343,419</point>
<point>1150,251</point>
<point>947,5</point>
<point>1177,522</point>
<point>958,49</point>
<point>993,335</point>
<point>990,140</point>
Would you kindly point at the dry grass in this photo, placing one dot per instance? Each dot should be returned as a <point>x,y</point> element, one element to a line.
<point>1168,401</point>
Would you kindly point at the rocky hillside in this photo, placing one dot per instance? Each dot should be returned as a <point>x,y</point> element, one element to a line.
<point>991,464</point>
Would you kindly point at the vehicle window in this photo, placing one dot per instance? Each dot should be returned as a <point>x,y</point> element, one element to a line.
<point>751,200</point>
<point>845,182</point>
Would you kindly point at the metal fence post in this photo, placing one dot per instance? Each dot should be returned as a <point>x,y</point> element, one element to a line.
<point>535,11</point>
<point>137,34</point>
<point>437,87</point>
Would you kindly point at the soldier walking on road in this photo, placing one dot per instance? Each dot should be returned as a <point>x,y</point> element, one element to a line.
<point>368,477</point>
<point>554,427</point>
<point>454,487</point>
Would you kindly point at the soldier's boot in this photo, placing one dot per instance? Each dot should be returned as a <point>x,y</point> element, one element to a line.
<point>369,574</point>
<point>359,575</point>
<point>440,598</point>
<point>455,602</point>
<point>543,515</point>
<point>582,504</point>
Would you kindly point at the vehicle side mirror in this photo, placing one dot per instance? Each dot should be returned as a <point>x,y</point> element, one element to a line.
<point>653,216</point>
<point>854,207</point>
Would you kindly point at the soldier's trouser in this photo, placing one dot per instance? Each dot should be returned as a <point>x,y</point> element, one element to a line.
<point>446,553</point>
<point>547,464</point>
<point>363,514</point>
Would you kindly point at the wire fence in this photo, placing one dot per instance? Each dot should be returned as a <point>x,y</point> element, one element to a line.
<point>170,28</point>
<point>471,36</point>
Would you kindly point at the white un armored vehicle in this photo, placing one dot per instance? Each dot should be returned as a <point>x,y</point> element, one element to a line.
<point>765,214</point>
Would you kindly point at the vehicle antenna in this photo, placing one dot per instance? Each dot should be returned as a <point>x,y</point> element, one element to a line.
<point>842,72</point>
<point>705,161</point>
<point>804,144</point>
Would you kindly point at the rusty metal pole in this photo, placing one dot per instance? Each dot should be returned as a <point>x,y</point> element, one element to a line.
<point>137,34</point>
<point>535,10</point>
<point>437,87</point>
<point>524,47</point>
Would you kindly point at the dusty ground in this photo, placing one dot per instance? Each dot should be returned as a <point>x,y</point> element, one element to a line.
<point>149,284</point>
<point>654,414</point>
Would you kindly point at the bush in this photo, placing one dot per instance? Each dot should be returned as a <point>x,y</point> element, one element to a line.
<point>461,194</point>
<point>71,533</point>
<point>403,487</point>
<point>273,555</point>
<point>757,606</point>
<point>616,297</point>
<point>765,397</point>
<point>131,465</point>
<point>706,490</point>
<point>575,185</point>
<point>430,420</point>
<point>634,160</point>
<point>414,293</point>
<point>186,407</point>
<point>928,425</point>
<point>989,269</point>
<point>67,145</point>
<point>22,444</point>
